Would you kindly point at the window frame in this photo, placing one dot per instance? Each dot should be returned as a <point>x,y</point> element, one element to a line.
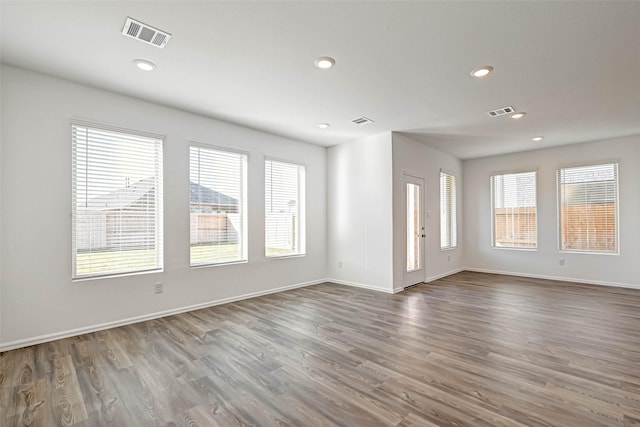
<point>301,208</point>
<point>493,208</point>
<point>159,200</point>
<point>616,164</point>
<point>244,239</point>
<point>451,214</point>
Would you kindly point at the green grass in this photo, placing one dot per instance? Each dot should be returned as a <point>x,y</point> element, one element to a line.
<point>279,252</point>
<point>92,263</point>
<point>204,254</point>
<point>95,263</point>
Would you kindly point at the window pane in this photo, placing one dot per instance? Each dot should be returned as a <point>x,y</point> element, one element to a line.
<point>414,231</point>
<point>117,202</point>
<point>217,181</point>
<point>588,202</point>
<point>284,209</point>
<point>515,222</point>
<point>448,215</point>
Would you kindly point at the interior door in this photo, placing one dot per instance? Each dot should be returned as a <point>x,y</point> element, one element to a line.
<point>414,232</point>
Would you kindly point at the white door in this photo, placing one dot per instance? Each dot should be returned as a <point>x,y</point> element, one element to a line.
<point>413,189</point>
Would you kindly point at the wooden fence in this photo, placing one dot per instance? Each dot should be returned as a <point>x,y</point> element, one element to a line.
<point>590,227</point>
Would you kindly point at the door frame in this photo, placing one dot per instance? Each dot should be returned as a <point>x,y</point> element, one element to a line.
<point>410,278</point>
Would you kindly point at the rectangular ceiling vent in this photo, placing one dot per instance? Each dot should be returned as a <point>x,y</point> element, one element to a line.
<point>502,111</point>
<point>361,121</point>
<point>145,33</point>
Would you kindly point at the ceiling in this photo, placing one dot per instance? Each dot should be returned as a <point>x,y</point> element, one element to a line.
<point>574,67</point>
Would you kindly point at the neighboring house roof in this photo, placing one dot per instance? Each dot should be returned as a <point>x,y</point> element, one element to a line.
<point>135,193</point>
<point>205,196</point>
<point>123,197</point>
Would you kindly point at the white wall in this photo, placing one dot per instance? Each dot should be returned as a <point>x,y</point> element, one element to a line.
<point>2,132</point>
<point>38,297</point>
<point>354,213</point>
<point>359,213</point>
<point>603,269</point>
<point>420,160</point>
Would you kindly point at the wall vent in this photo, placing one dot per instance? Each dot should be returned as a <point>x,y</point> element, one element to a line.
<point>361,121</point>
<point>502,111</point>
<point>145,33</point>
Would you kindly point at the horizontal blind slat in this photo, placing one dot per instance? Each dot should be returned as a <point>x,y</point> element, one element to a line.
<point>117,202</point>
<point>588,205</point>
<point>284,187</point>
<point>217,180</point>
<point>514,210</point>
<point>448,218</point>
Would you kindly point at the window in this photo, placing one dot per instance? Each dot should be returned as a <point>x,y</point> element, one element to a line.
<point>414,225</point>
<point>448,222</point>
<point>588,204</point>
<point>514,210</point>
<point>217,187</point>
<point>116,201</point>
<point>284,209</point>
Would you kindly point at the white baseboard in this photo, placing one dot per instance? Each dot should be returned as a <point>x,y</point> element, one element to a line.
<point>94,328</point>
<point>108,325</point>
<point>558,278</point>
<point>395,290</point>
<point>440,276</point>
<point>431,279</point>
<point>362,285</point>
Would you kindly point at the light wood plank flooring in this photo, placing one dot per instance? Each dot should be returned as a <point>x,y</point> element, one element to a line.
<point>468,350</point>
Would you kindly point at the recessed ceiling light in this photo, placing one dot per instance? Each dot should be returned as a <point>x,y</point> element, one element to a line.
<point>482,71</point>
<point>144,65</point>
<point>537,138</point>
<point>518,115</point>
<point>323,125</point>
<point>325,62</point>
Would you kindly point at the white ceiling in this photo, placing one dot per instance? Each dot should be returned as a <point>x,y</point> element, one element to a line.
<point>574,67</point>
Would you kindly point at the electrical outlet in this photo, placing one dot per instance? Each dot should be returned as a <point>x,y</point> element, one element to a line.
<point>449,258</point>
<point>339,264</point>
<point>158,289</point>
<point>561,261</point>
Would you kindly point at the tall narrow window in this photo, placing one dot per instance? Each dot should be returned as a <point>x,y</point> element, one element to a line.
<point>413,195</point>
<point>515,223</point>
<point>217,187</point>
<point>116,201</point>
<point>448,218</point>
<point>588,204</point>
<point>284,209</point>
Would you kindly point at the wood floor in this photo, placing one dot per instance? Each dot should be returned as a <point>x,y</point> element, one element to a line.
<point>468,350</point>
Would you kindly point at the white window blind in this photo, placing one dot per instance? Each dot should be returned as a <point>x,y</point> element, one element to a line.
<point>588,204</point>
<point>116,201</point>
<point>515,223</point>
<point>217,186</point>
<point>448,214</point>
<point>284,209</point>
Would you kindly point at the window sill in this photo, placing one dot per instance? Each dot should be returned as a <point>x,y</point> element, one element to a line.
<point>285,256</point>
<point>589,253</point>
<point>218,264</point>
<point>505,248</point>
<point>115,275</point>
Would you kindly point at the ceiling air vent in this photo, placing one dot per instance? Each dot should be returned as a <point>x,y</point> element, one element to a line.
<point>145,33</point>
<point>361,121</point>
<point>502,111</point>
